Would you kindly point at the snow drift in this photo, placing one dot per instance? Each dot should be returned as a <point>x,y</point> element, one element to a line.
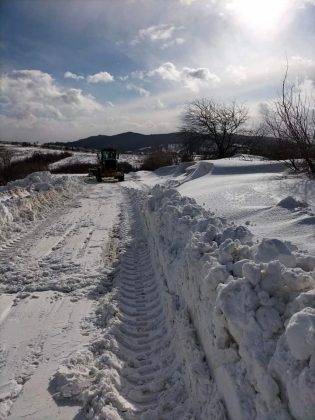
<point>252,305</point>
<point>176,175</point>
<point>24,200</point>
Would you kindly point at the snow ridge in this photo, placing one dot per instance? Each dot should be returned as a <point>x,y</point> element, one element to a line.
<point>26,206</point>
<point>26,200</point>
<point>250,304</point>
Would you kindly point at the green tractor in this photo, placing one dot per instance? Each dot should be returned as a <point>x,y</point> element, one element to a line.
<point>107,166</point>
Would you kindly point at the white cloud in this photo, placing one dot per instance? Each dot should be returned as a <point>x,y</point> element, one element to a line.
<point>159,104</point>
<point>187,2</point>
<point>176,41</point>
<point>159,33</point>
<point>302,62</point>
<point>70,75</point>
<point>101,77</point>
<point>31,96</point>
<point>192,78</point>
<point>166,71</point>
<point>137,74</point>
<point>304,2</point>
<point>138,89</point>
<point>200,73</point>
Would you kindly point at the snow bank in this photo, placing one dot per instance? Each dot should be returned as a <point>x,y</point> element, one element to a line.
<point>176,175</point>
<point>250,303</point>
<point>198,170</point>
<point>22,201</point>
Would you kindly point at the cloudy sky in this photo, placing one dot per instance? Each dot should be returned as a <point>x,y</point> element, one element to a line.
<point>73,68</point>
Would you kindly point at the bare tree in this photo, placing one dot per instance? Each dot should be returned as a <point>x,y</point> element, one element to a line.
<point>6,156</point>
<point>190,144</point>
<point>291,120</point>
<point>212,126</point>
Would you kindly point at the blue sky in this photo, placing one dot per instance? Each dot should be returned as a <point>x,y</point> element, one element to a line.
<point>75,68</point>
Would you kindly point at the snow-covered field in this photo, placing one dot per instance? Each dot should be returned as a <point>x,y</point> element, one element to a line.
<point>20,153</point>
<point>187,293</point>
<point>91,158</point>
<point>77,157</point>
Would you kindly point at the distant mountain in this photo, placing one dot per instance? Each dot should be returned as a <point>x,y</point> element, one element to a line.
<point>125,141</point>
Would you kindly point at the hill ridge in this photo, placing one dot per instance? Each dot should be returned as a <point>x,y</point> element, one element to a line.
<point>127,141</point>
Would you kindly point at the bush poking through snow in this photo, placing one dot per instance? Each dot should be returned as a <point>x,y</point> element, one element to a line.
<point>157,159</point>
<point>19,169</point>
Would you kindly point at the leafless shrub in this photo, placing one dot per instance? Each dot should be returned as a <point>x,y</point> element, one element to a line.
<point>72,168</point>
<point>6,156</point>
<point>209,128</point>
<point>37,162</point>
<point>157,159</point>
<point>291,120</point>
<point>83,167</point>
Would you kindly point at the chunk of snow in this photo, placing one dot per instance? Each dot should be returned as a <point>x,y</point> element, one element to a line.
<point>300,334</point>
<point>274,249</point>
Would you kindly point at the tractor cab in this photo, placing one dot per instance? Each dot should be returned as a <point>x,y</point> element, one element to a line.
<point>108,158</point>
<point>107,166</point>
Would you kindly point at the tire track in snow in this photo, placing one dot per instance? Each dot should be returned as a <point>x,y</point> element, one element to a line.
<point>143,333</point>
<point>141,367</point>
<point>138,338</point>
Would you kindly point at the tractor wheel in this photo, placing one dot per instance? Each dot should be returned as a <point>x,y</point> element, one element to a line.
<point>98,176</point>
<point>120,178</point>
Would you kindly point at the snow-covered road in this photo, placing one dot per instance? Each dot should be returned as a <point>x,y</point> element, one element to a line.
<point>41,323</point>
<point>118,301</point>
